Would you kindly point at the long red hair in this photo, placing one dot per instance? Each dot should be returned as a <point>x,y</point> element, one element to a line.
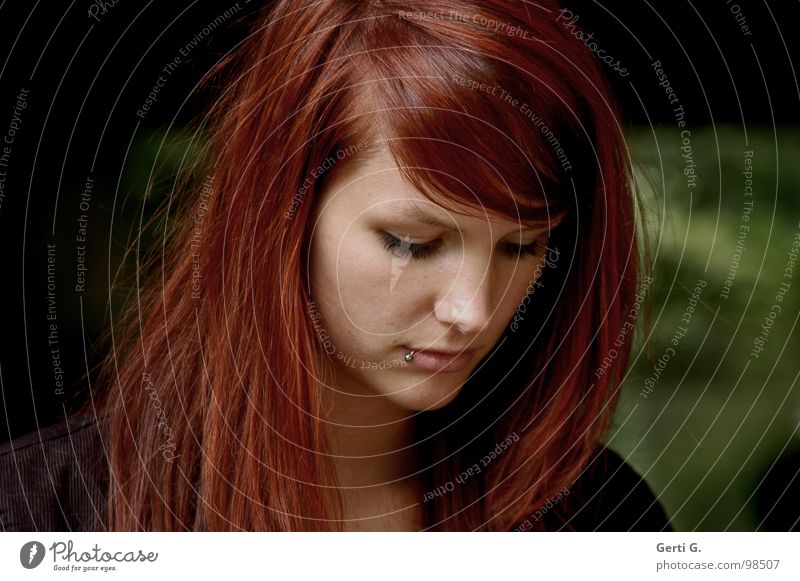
<point>210,404</point>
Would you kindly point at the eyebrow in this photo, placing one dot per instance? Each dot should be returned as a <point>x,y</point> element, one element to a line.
<point>422,216</point>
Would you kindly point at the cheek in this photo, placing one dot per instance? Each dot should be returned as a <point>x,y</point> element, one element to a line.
<point>353,273</point>
<point>522,284</point>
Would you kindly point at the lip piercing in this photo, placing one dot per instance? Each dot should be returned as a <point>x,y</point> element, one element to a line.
<point>409,356</point>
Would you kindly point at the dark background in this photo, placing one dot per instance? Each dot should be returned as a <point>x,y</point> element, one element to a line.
<point>87,79</point>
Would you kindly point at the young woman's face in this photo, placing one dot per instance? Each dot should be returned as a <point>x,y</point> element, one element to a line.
<point>386,279</point>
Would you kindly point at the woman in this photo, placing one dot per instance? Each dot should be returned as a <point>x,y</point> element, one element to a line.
<point>389,304</point>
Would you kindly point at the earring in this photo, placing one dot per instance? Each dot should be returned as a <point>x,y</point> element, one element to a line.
<point>409,356</point>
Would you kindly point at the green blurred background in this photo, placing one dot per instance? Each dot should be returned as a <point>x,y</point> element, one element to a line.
<point>717,418</point>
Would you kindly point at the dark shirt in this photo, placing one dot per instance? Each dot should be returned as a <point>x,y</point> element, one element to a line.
<point>55,479</point>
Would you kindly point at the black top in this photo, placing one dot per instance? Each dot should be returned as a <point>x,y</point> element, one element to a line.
<point>55,479</point>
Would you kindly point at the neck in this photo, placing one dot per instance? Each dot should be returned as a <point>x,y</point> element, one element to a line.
<point>374,455</point>
<point>370,438</point>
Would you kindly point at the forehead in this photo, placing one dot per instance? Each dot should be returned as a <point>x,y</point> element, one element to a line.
<point>371,181</point>
<point>367,170</point>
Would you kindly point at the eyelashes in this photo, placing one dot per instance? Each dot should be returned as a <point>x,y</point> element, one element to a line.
<point>419,251</point>
<point>403,248</point>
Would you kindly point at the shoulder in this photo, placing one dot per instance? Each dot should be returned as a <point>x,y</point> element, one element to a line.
<point>609,495</point>
<point>53,479</point>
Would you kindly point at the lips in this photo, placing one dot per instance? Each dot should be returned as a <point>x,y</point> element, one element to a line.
<point>437,361</point>
<point>442,352</point>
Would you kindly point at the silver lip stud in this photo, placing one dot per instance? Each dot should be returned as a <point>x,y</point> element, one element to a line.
<point>409,356</point>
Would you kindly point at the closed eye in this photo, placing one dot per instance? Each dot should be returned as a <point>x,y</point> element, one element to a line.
<point>420,250</point>
<point>403,247</point>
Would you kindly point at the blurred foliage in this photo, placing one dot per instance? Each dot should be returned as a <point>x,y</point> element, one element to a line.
<point>718,417</point>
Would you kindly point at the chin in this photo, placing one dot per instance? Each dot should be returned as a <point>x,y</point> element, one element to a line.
<point>423,397</point>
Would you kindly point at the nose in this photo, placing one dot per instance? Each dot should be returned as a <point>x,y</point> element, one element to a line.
<point>466,300</point>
